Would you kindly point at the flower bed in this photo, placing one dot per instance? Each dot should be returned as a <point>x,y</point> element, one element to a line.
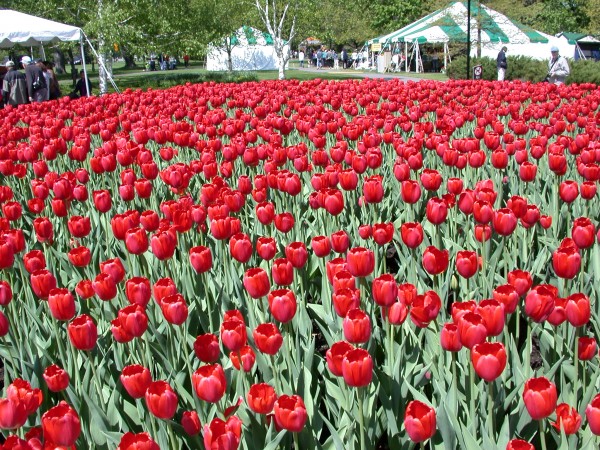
<point>331,264</point>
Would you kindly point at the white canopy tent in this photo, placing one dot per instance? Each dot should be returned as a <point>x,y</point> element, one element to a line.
<point>251,49</point>
<point>29,31</point>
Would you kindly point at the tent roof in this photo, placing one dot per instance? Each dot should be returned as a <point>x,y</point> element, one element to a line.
<point>449,24</point>
<point>250,36</point>
<point>26,30</point>
<point>573,38</point>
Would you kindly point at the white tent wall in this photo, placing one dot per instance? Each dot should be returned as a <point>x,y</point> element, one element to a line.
<point>250,57</point>
<point>539,51</point>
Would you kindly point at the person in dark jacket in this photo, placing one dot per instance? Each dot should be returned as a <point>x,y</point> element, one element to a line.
<point>37,89</point>
<point>81,89</point>
<point>501,64</point>
<point>14,86</point>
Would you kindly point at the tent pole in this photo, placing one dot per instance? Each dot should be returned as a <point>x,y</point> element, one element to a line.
<point>87,84</point>
<point>43,52</point>
<point>405,56</point>
<point>468,39</point>
<point>446,57</point>
<point>110,78</point>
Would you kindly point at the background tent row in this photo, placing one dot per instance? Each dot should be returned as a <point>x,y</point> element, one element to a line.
<point>250,49</point>
<point>492,29</point>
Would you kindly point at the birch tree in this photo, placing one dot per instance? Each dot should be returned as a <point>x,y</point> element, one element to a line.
<point>277,15</point>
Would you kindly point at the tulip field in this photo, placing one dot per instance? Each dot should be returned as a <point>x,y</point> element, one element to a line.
<point>342,265</point>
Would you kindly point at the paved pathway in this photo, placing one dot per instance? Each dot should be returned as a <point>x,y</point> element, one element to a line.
<point>362,73</point>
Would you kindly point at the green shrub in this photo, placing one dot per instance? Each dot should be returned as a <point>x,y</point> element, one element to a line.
<point>165,80</point>
<point>525,69</point>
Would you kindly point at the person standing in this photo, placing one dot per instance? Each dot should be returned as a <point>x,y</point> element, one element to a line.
<point>42,65</point>
<point>344,58</point>
<point>14,86</point>
<point>301,58</point>
<point>186,60</point>
<point>37,89</point>
<point>501,64</point>
<point>81,88</point>
<point>558,67</point>
<point>53,86</point>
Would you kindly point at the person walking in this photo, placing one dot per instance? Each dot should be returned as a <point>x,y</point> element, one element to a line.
<point>53,86</point>
<point>301,58</point>
<point>558,67</point>
<point>14,86</point>
<point>37,89</point>
<point>501,64</point>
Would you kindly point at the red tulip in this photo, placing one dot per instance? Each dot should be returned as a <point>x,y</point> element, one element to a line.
<point>436,210</point>
<point>138,291</point>
<point>135,379</point>
<point>140,441</point>
<point>505,221</point>
<point>410,191</point>
<point>133,320</point>
<point>243,359</point>
<point>201,258</point>
<point>220,435</point>
<point>578,309</point>
<point>450,338</point>
<point>61,425</point>
<point>321,246</point>
<point>102,200</point>
<point>256,282</point>
<point>34,260</point>
<point>206,348</point>
<point>520,280</point>
<point>284,222</point>
<point>282,304</point>
<point>431,179</point>
<point>519,444</point>
<point>113,267</point>
<point>489,360</point>
<point>6,294</point>
<point>592,413</point>
<point>508,296</point>
<point>360,261</point>
<point>266,248</point>
<point>587,348</point>
<point>297,254</point>
<point>567,419</point>
<point>340,241</point>
<point>385,290</point>
<point>136,240</point>
<point>261,398</point>
<point>80,256</point>
<point>12,414</point>
<point>357,326</point>
<point>56,378</point>
<point>79,227</point>
<point>357,367</point>
<point>290,413</point>
<point>44,232</point>
<point>62,304</point>
<point>425,308</point>
<point>209,382</point>
<point>161,400</point>
<point>335,356</point>
<point>240,247</point>
<point>412,234</point>
<point>540,397</point>
<point>583,232</point>
<point>105,287</point>
<point>163,243</point>
<point>435,261</point>
<point>419,421</point>
<point>343,280</point>
<point>190,423</point>
<point>42,282</point>
<point>466,263</point>
<point>492,313</point>
<point>568,191</point>
<point>83,333</point>
<point>373,189</point>
<point>267,338</point>
<point>539,302</point>
<point>472,329</point>
<point>174,309</point>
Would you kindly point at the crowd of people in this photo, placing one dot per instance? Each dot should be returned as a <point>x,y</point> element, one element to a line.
<point>36,83</point>
<point>328,57</point>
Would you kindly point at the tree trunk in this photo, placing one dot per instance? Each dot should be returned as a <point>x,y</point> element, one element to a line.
<point>73,68</point>
<point>58,58</point>
<point>102,74</point>
<point>129,60</point>
<point>229,59</point>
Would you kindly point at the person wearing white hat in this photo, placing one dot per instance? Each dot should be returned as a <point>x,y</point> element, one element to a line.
<point>37,88</point>
<point>14,86</point>
<point>558,67</point>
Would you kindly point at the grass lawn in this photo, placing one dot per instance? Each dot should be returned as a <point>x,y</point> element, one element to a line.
<point>195,73</point>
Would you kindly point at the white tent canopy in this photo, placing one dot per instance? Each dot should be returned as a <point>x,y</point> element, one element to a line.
<point>251,49</point>
<point>28,31</point>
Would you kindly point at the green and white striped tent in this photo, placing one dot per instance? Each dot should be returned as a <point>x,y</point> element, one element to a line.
<point>251,49</point>
<point>449,25</point>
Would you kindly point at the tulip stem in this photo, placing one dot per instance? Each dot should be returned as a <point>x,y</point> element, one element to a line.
<point>361,416</point>
<point>296,441</point>
<point>171,435</point>
<point>542,435</point>
<point>472,391</point>
<point>576,364</point>
<point>491,410</point>
<point>96,379</point>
